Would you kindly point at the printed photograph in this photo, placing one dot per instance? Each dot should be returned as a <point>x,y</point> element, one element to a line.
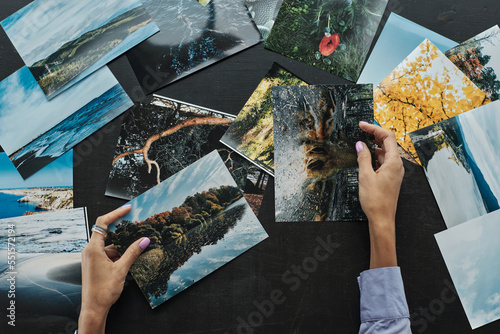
<point>315,133</point>
<point>204,2</point>
<point>51,232</point>
<point>49,190</point>
<point>251,133</point>
<point>197,220</point>
<point>460,160</point>
<point>165,136</point>
<point>192,37</point>
<point>74,35</point>
<point>48,291</point>
<point>471,253</point>
<point>55,126</point>
<point>332,35</point>
<point>479,59</point>
<point>264,14</point>
<point>396,41</point>
<point>424,89</point>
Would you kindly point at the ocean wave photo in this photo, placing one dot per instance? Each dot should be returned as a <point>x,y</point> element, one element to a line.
<point>52,232</point>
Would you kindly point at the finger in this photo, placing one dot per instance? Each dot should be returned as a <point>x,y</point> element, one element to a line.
<point>106,220</point>
<point>379,156</point>
<point>364,158</point>
<point>112,252</point>
<point>383,137</point>
<point>131,254</point>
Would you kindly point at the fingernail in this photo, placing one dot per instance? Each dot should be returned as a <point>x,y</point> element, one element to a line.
<point>126,206</point>
<point>144,243</point>
<point>359,146</point>
<point>363,122</point>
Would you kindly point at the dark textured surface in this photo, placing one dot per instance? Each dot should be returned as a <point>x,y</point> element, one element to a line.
<point>327,299</point>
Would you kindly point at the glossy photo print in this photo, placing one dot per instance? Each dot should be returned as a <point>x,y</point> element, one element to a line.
<point>332,35</point>
<point>47,269</point>
<point>62,42</point>
<point>396,41</point>
<point>49,190</point>
<point>460,159</point>
<point>251,133</point>
<point>197,221</point>
<point>160,138</point>
<point>315,133</point>
<point>471,253</point>
<point>424,89</point>
<point>191,38</point>
<point>48,291</point>
<point>50,232</point>
<point>264,13</point>
<point>54,126</point>
<point>479,59</point>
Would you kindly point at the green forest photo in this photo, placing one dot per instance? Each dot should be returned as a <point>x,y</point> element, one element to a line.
<point>205,225</point>
<point>251,133</point>
<point>332,35</point>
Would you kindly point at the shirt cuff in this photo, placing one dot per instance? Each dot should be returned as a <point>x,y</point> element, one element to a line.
<point>382,294</point>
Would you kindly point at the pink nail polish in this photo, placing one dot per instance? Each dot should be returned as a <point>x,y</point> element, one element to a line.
<point>363,122</point>
<point>359,146</point>
<point>144,243</point>
<point>125,206</point>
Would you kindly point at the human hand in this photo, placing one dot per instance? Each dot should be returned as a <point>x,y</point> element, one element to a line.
<point>103,274</point>
<point>379,192</point>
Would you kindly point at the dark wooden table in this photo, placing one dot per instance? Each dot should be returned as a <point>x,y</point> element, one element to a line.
<point>237,298</point>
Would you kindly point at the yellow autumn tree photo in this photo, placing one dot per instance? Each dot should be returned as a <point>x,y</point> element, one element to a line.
<point>424,89</point>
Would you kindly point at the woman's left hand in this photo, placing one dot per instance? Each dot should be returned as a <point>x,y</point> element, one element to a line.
<point>103,274</point>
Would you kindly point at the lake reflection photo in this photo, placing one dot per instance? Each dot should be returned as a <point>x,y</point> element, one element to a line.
<point>197,221</point>
<point>460,159</point>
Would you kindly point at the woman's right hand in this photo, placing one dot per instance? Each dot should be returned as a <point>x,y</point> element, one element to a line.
<point>379,192</point>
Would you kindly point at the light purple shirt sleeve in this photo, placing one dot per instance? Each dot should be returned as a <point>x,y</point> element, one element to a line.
<point>383,303</point>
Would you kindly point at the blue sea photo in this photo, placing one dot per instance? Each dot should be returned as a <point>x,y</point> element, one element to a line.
<point>197,221</point>
<point>460,159</point>
<point>54,126</point>
<point>471,251</point>
<point>54,182</point>
<point>59,40</point>
<point>396,41</point>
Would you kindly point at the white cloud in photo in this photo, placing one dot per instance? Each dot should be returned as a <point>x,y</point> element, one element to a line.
<point>25,112</point>
<point>42,27</point>
<point>473,266</point>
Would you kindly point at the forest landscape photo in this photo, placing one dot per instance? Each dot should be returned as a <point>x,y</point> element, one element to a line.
<point>74,35</point>
<point>191,37</point>
<point>460,161</point>
<point>315,132</point>
<point>55,126</point>
<point>479,59</point>
<point>424,89</point>
<point>206,224</point>
<point>251,133</point>
<point>160,138</point>
<point>332,35</point>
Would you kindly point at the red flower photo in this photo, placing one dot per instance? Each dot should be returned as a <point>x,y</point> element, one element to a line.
<point>328,44</point>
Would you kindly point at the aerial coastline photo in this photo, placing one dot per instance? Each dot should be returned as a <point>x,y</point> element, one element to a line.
<point>49,190</point>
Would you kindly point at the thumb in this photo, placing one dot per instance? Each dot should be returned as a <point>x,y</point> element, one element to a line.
<point>364,158</point>
<point>132,253</point>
